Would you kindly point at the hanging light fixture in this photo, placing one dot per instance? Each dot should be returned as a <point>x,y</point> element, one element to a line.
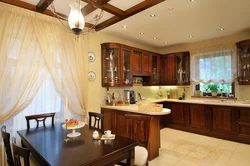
<point>76,20</point>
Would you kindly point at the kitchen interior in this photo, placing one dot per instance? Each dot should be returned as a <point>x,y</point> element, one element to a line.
<point>150,64</point>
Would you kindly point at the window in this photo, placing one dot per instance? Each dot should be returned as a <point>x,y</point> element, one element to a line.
<point>214,68</point>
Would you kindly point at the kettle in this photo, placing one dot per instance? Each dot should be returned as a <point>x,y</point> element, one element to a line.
<point>137,97</point>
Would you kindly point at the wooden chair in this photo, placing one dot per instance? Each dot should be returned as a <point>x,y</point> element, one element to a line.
<point>20,152</point>
<point>97,119</point>
<point>138,128</point>
<point>6,141</point>
<point>39,118</point>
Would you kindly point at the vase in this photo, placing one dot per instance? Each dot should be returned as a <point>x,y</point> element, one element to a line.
<point>214,93</point>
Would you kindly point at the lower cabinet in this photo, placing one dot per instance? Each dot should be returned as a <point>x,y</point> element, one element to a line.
<point>223,119</point>
<point>178,113</point>
<point>243,122</point>
<point>226,122</point>
<point>114,120</point>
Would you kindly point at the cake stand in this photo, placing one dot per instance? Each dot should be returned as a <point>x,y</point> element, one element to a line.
<point>74,133</point>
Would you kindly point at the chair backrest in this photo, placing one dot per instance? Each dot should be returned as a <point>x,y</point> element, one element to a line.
<point>97,119</point>
<point>20,152</point>
<point>138,128</point>
<point>6,141</point>
<point>39,118</point>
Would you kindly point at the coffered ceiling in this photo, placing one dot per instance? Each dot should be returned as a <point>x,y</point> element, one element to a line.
<point>175,21</point>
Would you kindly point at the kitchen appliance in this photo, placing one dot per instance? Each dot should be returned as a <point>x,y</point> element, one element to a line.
<point>126,96</point>
<point>132,97</point>
<point>129,96</point>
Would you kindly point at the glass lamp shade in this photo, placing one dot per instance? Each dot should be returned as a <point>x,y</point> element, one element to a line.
<point>76,20</point>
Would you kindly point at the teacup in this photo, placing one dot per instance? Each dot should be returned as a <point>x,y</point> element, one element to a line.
<point>108,133</point>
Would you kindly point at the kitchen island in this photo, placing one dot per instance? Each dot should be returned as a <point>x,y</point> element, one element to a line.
<point>115,121</point>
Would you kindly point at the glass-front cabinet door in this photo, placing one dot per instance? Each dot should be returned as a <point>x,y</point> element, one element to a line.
<point>182,68</point>
<point>155,79</point>
<point>243,51</point>
<point>126,73</point>
<point>110,65</point>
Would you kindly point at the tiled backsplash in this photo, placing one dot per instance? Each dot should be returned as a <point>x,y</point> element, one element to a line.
<point>241,92</point>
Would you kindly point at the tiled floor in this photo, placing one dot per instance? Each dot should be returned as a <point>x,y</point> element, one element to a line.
<point>180,148</point>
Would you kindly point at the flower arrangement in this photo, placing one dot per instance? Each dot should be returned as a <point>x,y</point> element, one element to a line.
<point>213,87</point>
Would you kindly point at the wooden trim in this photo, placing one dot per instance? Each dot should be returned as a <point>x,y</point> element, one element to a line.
<point>113,10</point>
<point>43,5</point>
<point>128,13</point>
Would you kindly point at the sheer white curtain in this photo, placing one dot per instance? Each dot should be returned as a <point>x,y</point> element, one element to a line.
<point>36,54</point>
<point>216,67</point>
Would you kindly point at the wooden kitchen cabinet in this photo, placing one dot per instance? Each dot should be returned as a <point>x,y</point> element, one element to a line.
<point>223,119</point>
<point>115,121</point>
<point>116,65</point>
<point>142,63</point>
<point>168,67</point>
<point>226,122</point>
<point>199,116</point>
<point>243,122</point>
<point>156,69</point>
<point>175,69</point>
<point>243,51</point>
<point>111,69</point>
<point>137,62</point>
<point>178,113</point>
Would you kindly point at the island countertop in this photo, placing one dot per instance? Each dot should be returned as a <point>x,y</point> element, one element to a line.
<point>134,108</point>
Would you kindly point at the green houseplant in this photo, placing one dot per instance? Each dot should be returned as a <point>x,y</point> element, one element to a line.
<point>213,88</point>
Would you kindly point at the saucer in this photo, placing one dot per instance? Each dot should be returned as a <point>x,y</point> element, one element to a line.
<point>104,137</point>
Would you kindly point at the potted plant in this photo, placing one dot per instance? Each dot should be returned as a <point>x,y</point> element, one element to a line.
<point>213,88</point>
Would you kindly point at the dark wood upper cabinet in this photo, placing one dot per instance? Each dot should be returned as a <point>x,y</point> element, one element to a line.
<point>111,68</point>
<point>156,69</point>
<point>175,69</point>
<point>243,51</point>
<point>137,62</point>
<point>146,63</point>
<point>142,63</point>
<point>126,64</point>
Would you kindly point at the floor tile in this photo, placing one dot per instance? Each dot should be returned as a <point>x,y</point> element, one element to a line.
<point>180,148</point>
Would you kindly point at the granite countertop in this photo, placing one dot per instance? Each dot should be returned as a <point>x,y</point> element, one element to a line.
<point>221,102</point>
<point>135,108</point>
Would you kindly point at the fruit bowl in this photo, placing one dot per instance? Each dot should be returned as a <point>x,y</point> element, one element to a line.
<point>73,128</point>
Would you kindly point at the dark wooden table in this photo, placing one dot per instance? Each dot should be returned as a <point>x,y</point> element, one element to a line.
<point>48,146</point>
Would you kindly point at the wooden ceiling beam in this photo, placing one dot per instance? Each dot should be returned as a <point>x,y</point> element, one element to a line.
<point>101,4</point>
<point>128,13</point>
<point>43,5</point>
<point>113,10</point>
<point>33,8</point>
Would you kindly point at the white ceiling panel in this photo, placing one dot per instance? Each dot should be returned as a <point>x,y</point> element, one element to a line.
<point>90,18</point>
<point>64,8</point>
<point>124,4</point>
<point>201,19</point>
<point>33,2</point>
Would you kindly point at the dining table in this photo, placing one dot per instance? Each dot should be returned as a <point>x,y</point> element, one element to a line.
<point>49,147</point>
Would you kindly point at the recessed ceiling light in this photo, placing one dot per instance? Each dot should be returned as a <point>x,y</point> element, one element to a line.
<point>142,33</point>
<point>152,15</point>
<point>222,29</point>
<point>125,26</point>
<point>166,42</point>
<point>192,0</point>
<point>190,36</point>
<point>155,38</point>
<point>171,8</point>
